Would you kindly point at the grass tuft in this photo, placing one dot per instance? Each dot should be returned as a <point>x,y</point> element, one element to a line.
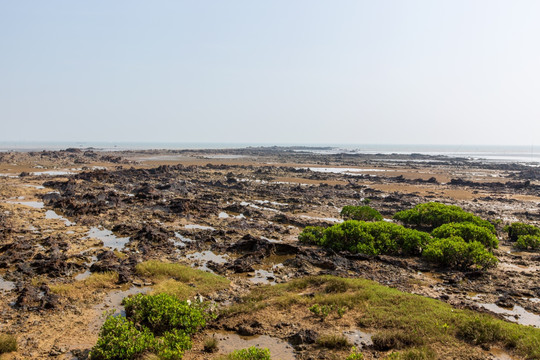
<point>8,343</point>
<point>180,280</point>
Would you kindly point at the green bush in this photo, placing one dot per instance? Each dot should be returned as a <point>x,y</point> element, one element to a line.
<point>368,238</point>
<point>119,339</point>
<point>173,344</point>
<point>251,353</point>
<point>528,242</point>
<point>455,252</point>
<point>312,235</point>
<point>363,213</point>
<point>8,343</point>
<point>435,214</point>
<point>517,229</point>
<point>469,232</point>
<point>149,316</point>
<point>164,312</point>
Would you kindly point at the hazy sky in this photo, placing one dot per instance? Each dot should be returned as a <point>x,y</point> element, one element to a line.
<point>280,71</point>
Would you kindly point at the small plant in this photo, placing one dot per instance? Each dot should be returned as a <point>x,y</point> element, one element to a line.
<point>333,341</point>
<point>528,242</point>
<point>454,252</point>
<point>341,311</point>
<point>312,235</point>
<point>355,355</point>
<point>8,343</point>
<point>119,339</point>
<point>211,344</point>
<point>517,229</point>
<point>362,213</point>
<point>163,312</point>
<point>251,353</point>
<point>469,232</point>
<point>321,311</point>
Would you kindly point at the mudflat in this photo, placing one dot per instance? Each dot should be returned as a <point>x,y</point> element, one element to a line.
<point>81,229</point>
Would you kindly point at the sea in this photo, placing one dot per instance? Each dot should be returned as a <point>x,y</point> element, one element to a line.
<point>490,153</point>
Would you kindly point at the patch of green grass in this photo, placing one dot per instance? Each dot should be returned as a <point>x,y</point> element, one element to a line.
<point>8,343</point>
<point>180,280</point>
<point>251,353</point>
<point>412,320</point>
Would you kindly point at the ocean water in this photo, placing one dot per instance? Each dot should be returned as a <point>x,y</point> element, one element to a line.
<point>492,153</point>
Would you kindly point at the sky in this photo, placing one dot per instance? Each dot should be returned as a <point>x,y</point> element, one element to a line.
<point>281,71</point>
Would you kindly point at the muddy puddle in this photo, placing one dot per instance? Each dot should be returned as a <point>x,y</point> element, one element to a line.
<point>201,259</point>
<point>516,314</point>
<point>347,171</point>
<point>50,214</point>
<point>330,219</point>
<point>198,227</point>
<point>279,349</point>
<point>109,239</point>
<point>87,273</point>
<point>359,338</point>
<point>113,300</point>
<point>6,285</point>
<point>258,207</point>
<point>32,204</point>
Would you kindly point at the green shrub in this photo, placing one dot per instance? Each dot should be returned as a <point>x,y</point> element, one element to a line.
<point>435,214</point>
<point>469,232</point>
<point>164,312</point>
<point>528,242</point>
<point>517,229</point>
<point>119,339</point>
<point>455,252</point>
<point>362,213</point>
<point>251,353</point>
<point>370,238</point>
<point>312,235</point>
<point>8,343</point>
<point>173,344</point>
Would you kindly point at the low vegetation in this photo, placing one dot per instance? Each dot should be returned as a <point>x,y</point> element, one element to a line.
<point>463,243</point>
<point>80,290</point>
<point>8,343</point>
<point>180,280</point>
<point>251,353</point>
<point>362,213</point>
<point>433,214</point>
<point>517,229</point>
<point>469,232</point>
<point>412,324</point>
<point>159,324</point>
<point>528,242</point>
<point>455,252</point>
<point>333,341</point>
<point>371,238</point>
